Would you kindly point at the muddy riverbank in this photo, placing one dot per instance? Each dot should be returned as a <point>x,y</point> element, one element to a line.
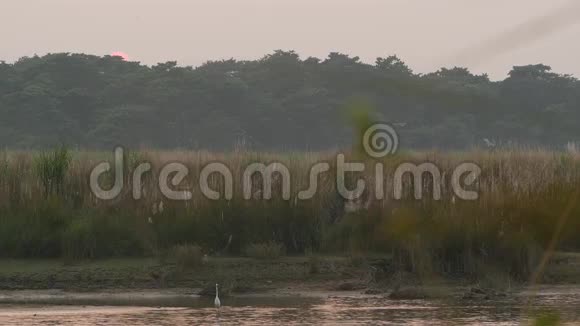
<point>288,276</point>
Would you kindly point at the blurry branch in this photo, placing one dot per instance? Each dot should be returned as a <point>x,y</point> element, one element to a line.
<point>522,35</point>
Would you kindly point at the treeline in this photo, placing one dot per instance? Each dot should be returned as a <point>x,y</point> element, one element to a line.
<point>278,102</point>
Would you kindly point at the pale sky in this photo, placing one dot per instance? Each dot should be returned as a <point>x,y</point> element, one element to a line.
<point>485,35</point>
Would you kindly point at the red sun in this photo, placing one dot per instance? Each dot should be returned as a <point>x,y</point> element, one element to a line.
<point>121,55</point>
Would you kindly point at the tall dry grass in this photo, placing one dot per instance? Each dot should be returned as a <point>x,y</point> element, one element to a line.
<point>523,194</point>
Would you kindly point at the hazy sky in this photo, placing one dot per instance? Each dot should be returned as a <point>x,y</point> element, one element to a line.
<point>485,35</point>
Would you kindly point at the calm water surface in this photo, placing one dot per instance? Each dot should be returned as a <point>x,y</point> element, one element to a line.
<point>299,311</point>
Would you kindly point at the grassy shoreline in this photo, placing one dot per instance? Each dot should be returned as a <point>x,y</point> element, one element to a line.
<point>234,273</point>
<point>529,203</point>
<point>243,276</point>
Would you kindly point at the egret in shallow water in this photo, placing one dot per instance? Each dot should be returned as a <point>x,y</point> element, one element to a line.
<point>217,303</point>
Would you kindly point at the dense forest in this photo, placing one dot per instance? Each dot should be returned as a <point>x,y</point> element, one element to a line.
<point>275,103</point>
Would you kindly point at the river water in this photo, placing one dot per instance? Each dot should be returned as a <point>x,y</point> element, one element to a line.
<point>343,310</point>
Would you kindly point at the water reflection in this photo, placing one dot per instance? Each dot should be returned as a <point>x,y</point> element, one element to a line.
<point>299,311</point>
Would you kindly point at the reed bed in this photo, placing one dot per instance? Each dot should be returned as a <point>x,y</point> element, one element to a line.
<point>528,200</point>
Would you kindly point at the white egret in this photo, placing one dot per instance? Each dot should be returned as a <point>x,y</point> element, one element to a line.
<point>489,143</point>
<point>217,303</point>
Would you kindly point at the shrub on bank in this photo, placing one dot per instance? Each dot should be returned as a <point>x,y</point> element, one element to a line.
<point>186,256</point>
